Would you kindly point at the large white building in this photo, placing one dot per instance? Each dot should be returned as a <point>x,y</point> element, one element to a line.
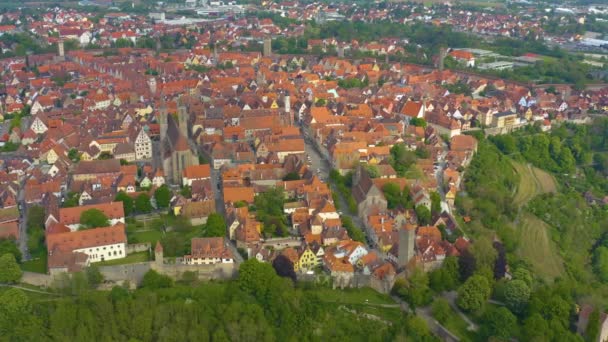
<point>71,251</point>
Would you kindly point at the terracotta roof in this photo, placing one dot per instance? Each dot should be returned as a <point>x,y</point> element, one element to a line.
<point>71,241</point>
<point>113,210</point>
<point>98,166</point>
<point>210,248</point>
<point>235,194</point>
<point>463,143</point>
<point>197,171</point>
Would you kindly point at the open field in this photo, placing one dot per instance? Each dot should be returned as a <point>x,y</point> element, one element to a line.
<point>144,236</point>
<point>37,265</point>
<point>129,259</point>
<point>533,182</point>
<point>536,247</point>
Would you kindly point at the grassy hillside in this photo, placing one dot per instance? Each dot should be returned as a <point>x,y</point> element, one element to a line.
<point>537,248</point>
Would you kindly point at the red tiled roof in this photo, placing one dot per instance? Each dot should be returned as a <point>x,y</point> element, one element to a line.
<point>113,210</point>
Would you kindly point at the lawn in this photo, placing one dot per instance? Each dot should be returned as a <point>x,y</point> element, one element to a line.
<point>144,236</point>
<point>130,259</point>
<point>37,265</point>
<point>538,248</point>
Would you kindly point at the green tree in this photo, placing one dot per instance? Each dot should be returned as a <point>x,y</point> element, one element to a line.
<point>474,293</point>
<point>500,323</point>
<point>373,171</point>
<point>215,226</point>
<point>445,278</point>
<point>14,307</point>
<point>291,176</point>
<point>162,196</point>
<point>155,280</point>
<point>600,263</point>
<point>517,295</point>
<point>142,204</point>
<point>186,191</point>
<point>94,276</point>
<point>523,274</point>
<point>423,214</point>
<point>254,277</point>
<point>593,327</point>
<point>419,122</point>
<point>35,242</point>
<point>535,328</point>
<point>401,159</point>
<point>269,210</point>
<point>9,246</point>
<point>416,291</point>
<point>127,202</point>
<point>9,269</point>
<point>441,310</point>
<point>72,200</point>
<point>484,252</point>
<point>74,155</point>
<point>435,203</point>
<point>93,218</point>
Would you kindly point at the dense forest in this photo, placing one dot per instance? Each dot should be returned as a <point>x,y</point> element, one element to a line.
<point>258,306</point>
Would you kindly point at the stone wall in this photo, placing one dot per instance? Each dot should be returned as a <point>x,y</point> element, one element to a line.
<point>133,273</point>
<point>138,247</point>
<point>37,279</point>
<point>203,272</point>
<point>357,280</point>
<point>282,243</point>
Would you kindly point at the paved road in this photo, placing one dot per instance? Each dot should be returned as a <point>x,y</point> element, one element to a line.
<point>451,298</point>
<point>318,162</point>
<point>439,176</point>
<point>435,327</point>
<point>29,290</point>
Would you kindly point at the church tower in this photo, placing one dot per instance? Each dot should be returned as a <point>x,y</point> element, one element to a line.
<point>267,47</point>
<point>182,117</point>
<point>162,118</point>
<point>407,243</point>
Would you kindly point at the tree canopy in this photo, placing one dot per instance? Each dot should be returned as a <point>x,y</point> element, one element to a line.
<point>215,225</point>
<point>9,269</point>
<point>93,218</point>
<point>474,293</point>
<point>162,196</point>
<point>127,202</point>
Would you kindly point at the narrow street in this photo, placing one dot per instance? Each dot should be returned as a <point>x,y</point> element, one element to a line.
<point>22,241</point>
<point>441,166</point>
<point>425,313</point>
<point>318,162</point>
